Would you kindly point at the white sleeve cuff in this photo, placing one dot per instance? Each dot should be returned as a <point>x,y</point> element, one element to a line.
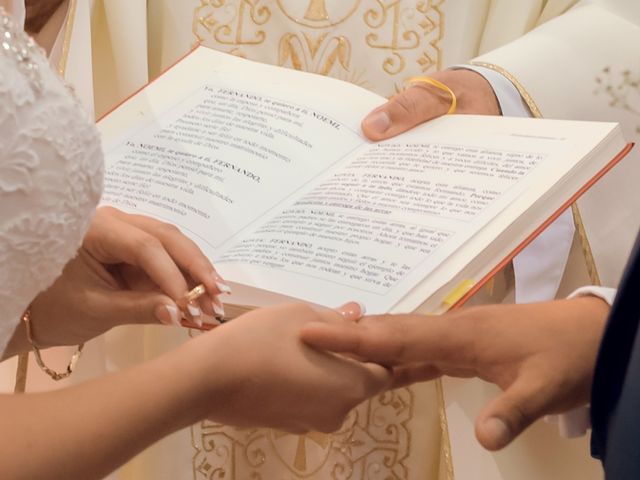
<point>510,100</point>
<point>576,422</point>
<point>572,424</point>
<point>605,293</point>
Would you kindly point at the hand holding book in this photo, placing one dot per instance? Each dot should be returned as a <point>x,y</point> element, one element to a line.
<point>279,188</point>
<point>422,102</point>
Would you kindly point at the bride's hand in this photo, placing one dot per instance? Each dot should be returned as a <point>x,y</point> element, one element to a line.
<point>130,270</point>
<point>144,254</point>
<point>257,372</point>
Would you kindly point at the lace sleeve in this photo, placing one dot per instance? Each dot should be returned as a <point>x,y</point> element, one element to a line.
<point>51,171</point>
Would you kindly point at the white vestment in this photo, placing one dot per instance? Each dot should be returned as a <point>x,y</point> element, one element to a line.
<point>567,60</point>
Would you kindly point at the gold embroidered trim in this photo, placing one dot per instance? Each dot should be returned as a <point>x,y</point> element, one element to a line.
<point>528,99</point>
<point>21,373</point>
<point>594,276</point>
<point>445,446</point>
<point>592,269</point>
<point>68,32</point>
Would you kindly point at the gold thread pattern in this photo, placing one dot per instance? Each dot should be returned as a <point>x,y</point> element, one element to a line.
<point>395,37</point>
<point>445,445</point>
<point>373,443</point>
<point>528,99</point>
<point>21,373</point>
<point>225,22</point>
<point>401,38</point>
<point>320,55</point>
<point>316,14</point>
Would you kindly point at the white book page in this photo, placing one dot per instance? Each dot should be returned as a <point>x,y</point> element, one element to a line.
<point>221,159</point>
<point>387,217</point>
<point>381,220</point>
<point>267,171</point>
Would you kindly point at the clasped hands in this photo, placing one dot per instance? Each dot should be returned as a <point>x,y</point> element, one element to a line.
<point>133,269</point>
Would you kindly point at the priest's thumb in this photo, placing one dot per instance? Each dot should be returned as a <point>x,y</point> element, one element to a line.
<point>403,112</point>
<point>506,417</point>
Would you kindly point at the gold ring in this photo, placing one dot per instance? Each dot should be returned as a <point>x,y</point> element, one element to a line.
<point>195,293</point>
<point>439,85</point>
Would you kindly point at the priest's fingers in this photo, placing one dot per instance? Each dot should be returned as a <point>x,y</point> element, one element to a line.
<point>397,339</point>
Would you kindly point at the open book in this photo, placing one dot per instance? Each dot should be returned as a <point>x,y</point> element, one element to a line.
<point>267,171</point>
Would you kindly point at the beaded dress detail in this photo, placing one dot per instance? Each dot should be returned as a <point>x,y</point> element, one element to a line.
<point>51,173</point>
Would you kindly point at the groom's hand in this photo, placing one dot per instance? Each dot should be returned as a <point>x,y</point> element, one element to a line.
<point>541,355</point>
<point>423,102</point>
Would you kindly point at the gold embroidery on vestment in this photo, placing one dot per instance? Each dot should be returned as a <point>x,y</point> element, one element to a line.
<point>319,55</point>
<point>316,14</point>
<point>317,11</point>
<point>374,438</point>
<point>208,24</point>
<point>403,38</point>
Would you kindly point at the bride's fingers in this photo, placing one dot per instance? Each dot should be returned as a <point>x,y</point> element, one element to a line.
<point>352,311</point>
<point>122,242</point>
<point>210,304</point>
<point>186,254</point>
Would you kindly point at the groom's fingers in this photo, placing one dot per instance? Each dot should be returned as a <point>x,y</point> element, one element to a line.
<point>396,339</point>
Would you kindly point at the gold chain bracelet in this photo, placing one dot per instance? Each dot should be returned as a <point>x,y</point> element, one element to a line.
<point>26,318</point>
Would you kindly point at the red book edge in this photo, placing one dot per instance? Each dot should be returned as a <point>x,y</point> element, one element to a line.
<point>623,153</point>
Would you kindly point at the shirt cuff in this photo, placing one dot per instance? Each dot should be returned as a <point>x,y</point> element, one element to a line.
<point>510,100</point>
<point>576,422</point>
<point>605,293</point>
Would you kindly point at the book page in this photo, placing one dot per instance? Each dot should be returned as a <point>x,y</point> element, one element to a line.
<point>266,169</point>
<point>378,223</point>
<point>221,159</point>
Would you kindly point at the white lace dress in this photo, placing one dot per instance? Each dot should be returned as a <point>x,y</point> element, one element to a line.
<point>51,171</point>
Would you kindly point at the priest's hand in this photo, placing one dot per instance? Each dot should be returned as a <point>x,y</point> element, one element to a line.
<point>261,374</point>
<point>541,355</point>
<point>421,103</point>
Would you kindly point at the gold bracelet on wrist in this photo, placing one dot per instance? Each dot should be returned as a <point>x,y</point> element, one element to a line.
<point>26,318</point>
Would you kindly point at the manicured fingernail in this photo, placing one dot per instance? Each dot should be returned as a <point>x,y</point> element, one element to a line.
<point>218,308</point>
<point>223,287</point>
<point>195,313</point>
<point>209,320</point>
<point>168,315</point>
<point>379,122</point>
<point>221,284</point>
<point>498,430</point>
<point>352,310</point>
